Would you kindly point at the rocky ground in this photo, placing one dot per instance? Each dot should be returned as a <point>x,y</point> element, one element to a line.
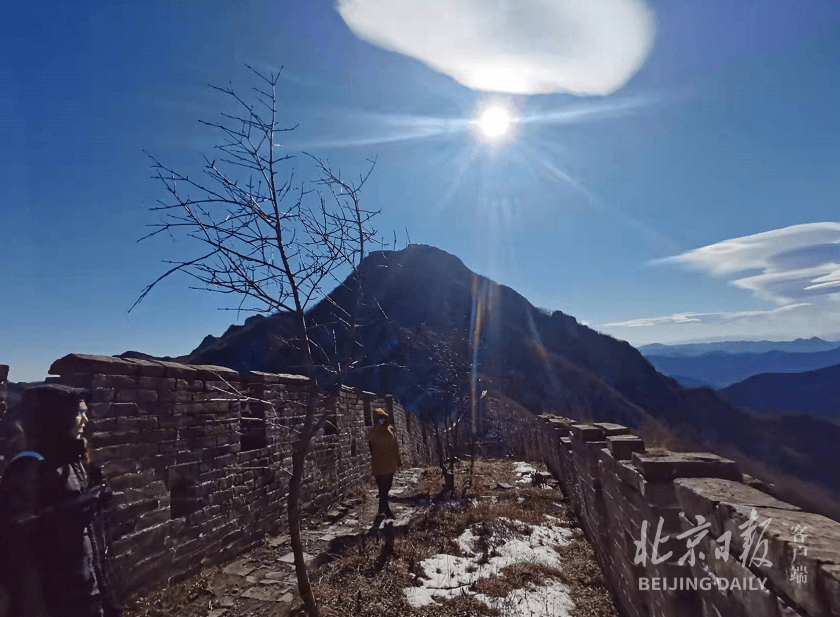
<point>503,545</point>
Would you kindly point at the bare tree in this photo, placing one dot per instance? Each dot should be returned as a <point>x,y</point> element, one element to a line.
<point>273,244</point>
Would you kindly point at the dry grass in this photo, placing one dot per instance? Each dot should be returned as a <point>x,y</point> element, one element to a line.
<point>516,576</point>
<point>187,599</point>
<point>584,579</point>
<point>368,579</point>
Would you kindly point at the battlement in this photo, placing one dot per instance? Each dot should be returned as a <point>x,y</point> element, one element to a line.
<point>758,555</point>
<point>199,457</point>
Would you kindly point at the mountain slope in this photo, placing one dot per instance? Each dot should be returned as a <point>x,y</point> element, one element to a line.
<point>421,310</point>
<point>720,369</point>
<point>812,392</point>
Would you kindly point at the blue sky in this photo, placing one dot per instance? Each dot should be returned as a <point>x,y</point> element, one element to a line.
<point>678,182</point>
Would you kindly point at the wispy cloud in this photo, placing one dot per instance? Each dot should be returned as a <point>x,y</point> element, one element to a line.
<point>707,318</point>
<point>797,268</point>
<point>515,46</point>
<point>795,263</point>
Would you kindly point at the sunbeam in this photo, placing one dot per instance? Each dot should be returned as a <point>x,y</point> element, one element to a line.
<point>578,114</point>
<point>461,171</point>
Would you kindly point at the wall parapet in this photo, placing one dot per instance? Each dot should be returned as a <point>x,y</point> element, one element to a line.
<point>749,553</point>
<point>199,456</point>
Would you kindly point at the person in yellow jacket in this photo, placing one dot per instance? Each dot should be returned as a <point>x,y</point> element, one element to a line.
<point>384,457</point>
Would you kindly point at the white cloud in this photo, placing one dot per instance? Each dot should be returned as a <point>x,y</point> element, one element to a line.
<point>513,46</point>
<point>797,262</point>
<point>707,318</point>
<point>797,268</point>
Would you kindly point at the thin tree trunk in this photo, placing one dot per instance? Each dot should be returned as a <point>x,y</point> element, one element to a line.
<point>293,502</point>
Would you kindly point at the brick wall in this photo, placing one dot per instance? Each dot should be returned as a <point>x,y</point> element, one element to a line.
<point>506,427</point>
<point>199,456</point>
<point>616,487</point>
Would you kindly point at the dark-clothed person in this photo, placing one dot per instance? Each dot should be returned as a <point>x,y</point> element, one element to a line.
<point>56,554</point>
<point>385,457</point>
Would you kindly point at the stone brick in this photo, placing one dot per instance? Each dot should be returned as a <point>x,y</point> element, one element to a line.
<point>209,371</point>
<point>157,383</point>
<point>611,429</point>
<point>113,381</point>
<point>119,467</point>
<point>102,395</point>
<point>623,446</point>
<point>176,396</point>
<point>114,410</point>
<point>148,368</point>
<point>177,370</point>
<point>260,377</point>
<point>672,465</point>
<point>84,363</point>
<point>137,396</point>
<point>587,432</point>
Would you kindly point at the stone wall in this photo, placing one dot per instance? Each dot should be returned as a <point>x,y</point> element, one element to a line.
<point>199,457</point>
<point>506,427</point>
<point>617,489</point>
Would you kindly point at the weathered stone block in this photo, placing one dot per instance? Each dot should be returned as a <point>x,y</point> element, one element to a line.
<point>778,526</point>
<point>176,396</point>
<point>157,383</point>
<point>209,371</point>
<point>611,429</point>
<point>137,396</point>
<point>102,395</point>
<point>587,432</point>
<point>84,363</point>
<point>121,410</point>
<point>113,381</point>
<point>672,465</point>
<point>260,377</point>
<point>148,368</point>
<point>177,370</point>
<point>623,446</point>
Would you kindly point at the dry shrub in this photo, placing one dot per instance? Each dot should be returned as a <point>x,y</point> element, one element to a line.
<point>177,599</point>
<point>584,579</point>
<point>516,576</point>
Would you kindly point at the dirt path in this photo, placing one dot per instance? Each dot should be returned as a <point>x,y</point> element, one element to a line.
<point>362,566</point>
<point>262,581</point>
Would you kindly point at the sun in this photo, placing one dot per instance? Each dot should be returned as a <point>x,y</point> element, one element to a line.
<point>493,122</point>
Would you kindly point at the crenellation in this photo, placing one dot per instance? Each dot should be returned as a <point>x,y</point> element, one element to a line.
<point>169,440</point>
<point>623,494</point>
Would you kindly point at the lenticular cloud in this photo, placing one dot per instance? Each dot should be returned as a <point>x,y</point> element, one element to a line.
<point>585,47</point>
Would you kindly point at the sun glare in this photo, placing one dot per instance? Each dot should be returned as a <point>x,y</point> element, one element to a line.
<point>493,122</point>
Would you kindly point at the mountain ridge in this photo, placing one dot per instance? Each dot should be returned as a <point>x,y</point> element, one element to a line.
<point>814,392</point>
<point>427,321</point>
<point>720,369</point>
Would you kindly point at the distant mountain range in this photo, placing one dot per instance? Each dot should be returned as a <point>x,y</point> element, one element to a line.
<point>720,369</point>
<point>800,345</point>
<point>421,308</point>
<point>813,392</point>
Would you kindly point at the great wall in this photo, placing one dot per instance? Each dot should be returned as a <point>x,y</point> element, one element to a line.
<point>197,457</point>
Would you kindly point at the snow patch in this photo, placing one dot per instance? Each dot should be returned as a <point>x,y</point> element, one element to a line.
<point>524,472</point>
<point>550,599</point>
<point>505,543</point>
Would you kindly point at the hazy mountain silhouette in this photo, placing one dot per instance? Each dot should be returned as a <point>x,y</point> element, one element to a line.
<point>800,345</point>
<point>720,369</point>
<point>812,392</point>
<point>421,307</point>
